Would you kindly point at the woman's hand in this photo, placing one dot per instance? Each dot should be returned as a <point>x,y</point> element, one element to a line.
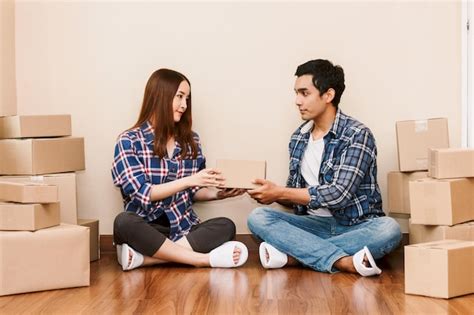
<point>206,178</point>
<point>229,193</point>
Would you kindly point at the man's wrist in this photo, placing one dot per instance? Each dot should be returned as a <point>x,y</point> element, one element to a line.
<point>281,193</point>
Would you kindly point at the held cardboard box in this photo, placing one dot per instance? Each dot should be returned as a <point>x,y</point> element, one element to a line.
<point>451,163</point>
<point>41,156</point>
<point>420,233</point>
<point>47,259</point>
<point>94,247</point>
<point>28,192</point>
<point>28,217</point>
<point>440,269</point>
<point>415,137</point>
<point>32,126</point>
<point>398,193</point>
<point>442,201</point>
<point>66,184</point>
<point>241,173</point>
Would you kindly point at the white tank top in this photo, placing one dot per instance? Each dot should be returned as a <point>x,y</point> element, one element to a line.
<point>310,169</point>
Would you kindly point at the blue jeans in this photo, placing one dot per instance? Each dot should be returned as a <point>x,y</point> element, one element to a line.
<point>318,242</point>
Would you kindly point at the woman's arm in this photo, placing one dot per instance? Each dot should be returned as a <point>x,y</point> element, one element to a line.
<point>206,194</point>
<point>205,177</point>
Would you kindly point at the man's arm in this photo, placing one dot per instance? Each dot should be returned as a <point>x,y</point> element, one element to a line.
<point>269,192</point>
<point>355,162</point>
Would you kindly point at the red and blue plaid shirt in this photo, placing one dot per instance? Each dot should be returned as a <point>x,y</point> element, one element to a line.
<point>348,173</point>
<point>136,168</point>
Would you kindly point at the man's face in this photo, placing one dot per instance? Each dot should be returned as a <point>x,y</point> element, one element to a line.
<point>310,103</point>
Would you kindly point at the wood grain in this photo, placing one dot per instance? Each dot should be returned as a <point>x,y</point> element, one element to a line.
<point>174,289</point>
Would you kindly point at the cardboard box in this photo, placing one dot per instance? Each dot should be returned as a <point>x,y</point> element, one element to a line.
<point>440,269</point>
<point>415,137</point>
<point>53,258</point>
<point>241,173</point>
<point>442,201</point>
<point>398,192</point>
<point>8,109</point>
<point>420,233</point>
<point>28,192</point>
<point>451,163</point>
<point>67,196</point>
<point>41,156</point>
<point>28,217</point>
<point>33,126</point>
<point>94,247</point>
<point>402,220</point>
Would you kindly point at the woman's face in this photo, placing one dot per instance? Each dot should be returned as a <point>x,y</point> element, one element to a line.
<point>180,100</point>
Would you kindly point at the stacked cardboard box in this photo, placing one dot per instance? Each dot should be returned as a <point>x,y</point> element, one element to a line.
<point>37,193</point>
<point>414,138</point>
<point>439,197</point>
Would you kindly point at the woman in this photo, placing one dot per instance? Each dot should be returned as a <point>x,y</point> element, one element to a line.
<point>160,170</point>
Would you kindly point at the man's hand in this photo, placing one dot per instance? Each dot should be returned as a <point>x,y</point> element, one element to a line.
<point>267,193</point>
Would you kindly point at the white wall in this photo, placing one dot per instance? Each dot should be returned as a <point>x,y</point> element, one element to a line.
<point>92,59</point>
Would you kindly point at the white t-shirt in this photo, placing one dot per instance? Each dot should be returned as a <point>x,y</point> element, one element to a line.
<point>310,169</point>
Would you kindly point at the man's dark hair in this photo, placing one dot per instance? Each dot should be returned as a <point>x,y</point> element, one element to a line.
<point>325,76</point>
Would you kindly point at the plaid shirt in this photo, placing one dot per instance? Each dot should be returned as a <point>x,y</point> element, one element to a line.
<point>136,169</point>
<point>348,173</point>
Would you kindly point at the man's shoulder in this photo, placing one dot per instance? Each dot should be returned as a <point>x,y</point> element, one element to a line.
<point>353,127</point>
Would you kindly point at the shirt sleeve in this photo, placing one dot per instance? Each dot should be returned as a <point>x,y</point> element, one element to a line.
<point>200,166</point>
<point>128,173</point>
<point>355,162</point>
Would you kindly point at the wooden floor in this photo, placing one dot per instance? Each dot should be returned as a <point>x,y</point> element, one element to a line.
<point>177,289</point>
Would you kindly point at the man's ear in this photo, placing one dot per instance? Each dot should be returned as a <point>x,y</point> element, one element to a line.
<point>330,94</point>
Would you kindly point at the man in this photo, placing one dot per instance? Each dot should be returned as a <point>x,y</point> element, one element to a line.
<point>339,224</point>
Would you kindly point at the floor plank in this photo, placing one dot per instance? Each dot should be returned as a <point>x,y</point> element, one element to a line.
<point>174,289</point>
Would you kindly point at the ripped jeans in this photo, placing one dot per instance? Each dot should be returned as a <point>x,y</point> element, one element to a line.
<point>318,242</point>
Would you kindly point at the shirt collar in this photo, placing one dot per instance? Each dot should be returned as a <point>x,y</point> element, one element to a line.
<point>337,126</point>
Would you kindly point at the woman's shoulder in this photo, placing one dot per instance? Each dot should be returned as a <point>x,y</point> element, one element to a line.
<point>130,135</point>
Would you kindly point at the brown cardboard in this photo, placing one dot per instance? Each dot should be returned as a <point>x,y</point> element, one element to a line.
<point>415,137</point>
<point>402,220</point>
<point>41,156</point>
<point>420,233</point>
<point>451,163</point>
<point>28,217</point>
<point>442,201</point>
<point>8,108</point>
<point>440,269</point>
<point>398,193</point>
<point>28,192</point>
<point>52,258</point>
<point>94,247</point>
<point>66,184</point>
<point>241,173</point>
<point>32,126</point>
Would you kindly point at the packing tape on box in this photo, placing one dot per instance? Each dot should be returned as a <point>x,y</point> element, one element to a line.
<point>421,125</point>
<point>37,178</point>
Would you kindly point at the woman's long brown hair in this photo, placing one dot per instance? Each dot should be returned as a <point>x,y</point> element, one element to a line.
<point>157,108</point>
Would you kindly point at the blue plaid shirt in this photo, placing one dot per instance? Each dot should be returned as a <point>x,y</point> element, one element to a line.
<point>136,168</point>
<point>348,173</point>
